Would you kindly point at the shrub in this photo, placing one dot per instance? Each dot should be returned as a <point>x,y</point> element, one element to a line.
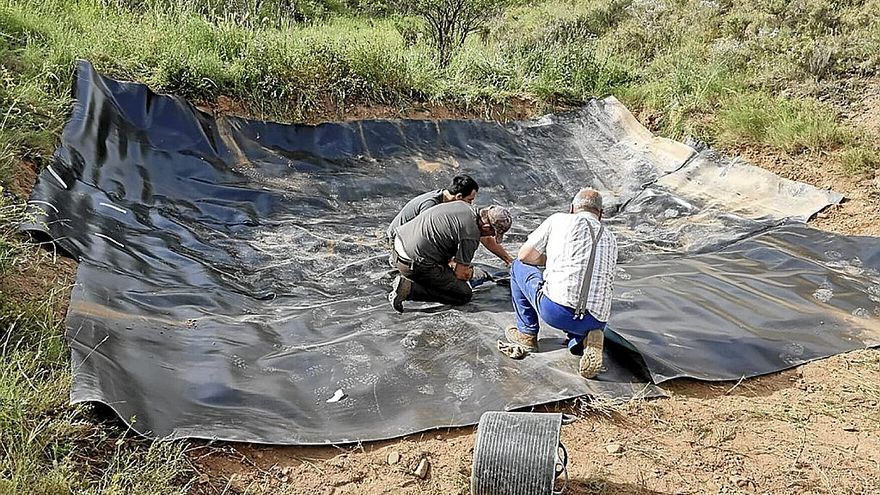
<point>449,22</point>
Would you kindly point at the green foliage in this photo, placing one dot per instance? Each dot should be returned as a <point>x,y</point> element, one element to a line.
<point>789,125</point>
<point>247,13</point>
<point>30,117</point>
<point>33,388</point>
<point>682,86</point>
<point>565,70</point>
<point>12,250</point>
<point>46,446</point>
<point>136,468</point>
<point>448,23</point>
<point>411,29</point>
<point>7,170</point>
<point>676,59</point>
<point>861,160</point>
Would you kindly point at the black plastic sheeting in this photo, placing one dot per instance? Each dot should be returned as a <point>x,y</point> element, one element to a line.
<point>233,273</point>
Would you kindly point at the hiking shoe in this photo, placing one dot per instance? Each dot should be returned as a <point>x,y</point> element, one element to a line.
<point>529,342</point>
<point>399,292</point>
<point>591,361</point>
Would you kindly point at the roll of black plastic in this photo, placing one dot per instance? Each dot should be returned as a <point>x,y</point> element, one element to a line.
<point>517,454</point>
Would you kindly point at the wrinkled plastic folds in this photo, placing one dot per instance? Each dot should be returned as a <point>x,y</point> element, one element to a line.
<point>233,273</point>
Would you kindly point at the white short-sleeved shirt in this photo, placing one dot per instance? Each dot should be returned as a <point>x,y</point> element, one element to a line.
<point>565,239</point>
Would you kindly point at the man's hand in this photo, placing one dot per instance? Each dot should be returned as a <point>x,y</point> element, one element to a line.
<point>462,271</point>
<point>497,249</point>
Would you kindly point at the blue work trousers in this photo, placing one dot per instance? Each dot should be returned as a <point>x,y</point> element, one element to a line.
<point>529,303</point>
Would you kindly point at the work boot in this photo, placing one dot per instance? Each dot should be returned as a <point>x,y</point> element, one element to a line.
<point>514,336</point>
<point>399,292</point>
<point>591,361</point>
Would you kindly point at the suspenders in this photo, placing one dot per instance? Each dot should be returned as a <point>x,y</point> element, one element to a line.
<point>581,310</point>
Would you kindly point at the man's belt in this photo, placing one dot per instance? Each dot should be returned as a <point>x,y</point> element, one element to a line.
<point>399,256</point>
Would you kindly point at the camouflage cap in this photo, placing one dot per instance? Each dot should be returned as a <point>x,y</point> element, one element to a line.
<point>499,218</point>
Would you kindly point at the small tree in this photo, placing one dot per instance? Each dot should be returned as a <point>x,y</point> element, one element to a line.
<point>449,22</point>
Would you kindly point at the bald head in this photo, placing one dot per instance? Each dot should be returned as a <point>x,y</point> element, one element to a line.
<point>587,200</point>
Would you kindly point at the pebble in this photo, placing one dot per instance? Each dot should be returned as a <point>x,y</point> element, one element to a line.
<point>614,448</point>
<point>422,469</point>
<point>393,458</point>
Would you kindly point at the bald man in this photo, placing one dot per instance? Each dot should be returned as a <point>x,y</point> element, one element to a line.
<point>573,293</point>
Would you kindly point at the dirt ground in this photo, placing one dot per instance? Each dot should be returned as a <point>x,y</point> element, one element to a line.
<point>812,429</point>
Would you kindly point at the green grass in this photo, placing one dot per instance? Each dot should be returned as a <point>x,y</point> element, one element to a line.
<point>730,72</point>
<point>861,160</point>
<point>780,123</point>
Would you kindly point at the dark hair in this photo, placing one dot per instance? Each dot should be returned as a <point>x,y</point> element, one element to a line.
<point>463,184</point>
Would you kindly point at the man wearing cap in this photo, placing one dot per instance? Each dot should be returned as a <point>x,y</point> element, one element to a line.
<point>433,252</point>
<point>463,188</point>
<point>573,293</point>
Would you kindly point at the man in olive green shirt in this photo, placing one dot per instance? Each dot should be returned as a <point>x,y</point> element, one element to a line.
<point>433,252</point>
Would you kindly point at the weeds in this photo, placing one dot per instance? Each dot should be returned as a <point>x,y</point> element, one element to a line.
<point>861,160</point>
<point>783,124</point>
<point>704,68</point>
<point>46,446</point>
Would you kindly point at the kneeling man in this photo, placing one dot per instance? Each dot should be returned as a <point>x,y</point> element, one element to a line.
<point>463,188</point>
<point>573,293</point>
<point>433,252</point>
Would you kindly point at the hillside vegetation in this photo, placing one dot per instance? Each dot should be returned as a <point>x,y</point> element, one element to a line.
<point>774,74</point>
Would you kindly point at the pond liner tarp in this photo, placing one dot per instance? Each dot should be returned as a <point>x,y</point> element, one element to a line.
<point>233,272</point>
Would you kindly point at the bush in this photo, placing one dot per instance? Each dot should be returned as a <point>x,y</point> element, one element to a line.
<point>448,23</point>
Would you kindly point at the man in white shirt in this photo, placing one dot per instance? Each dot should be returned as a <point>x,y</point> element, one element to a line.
<point>573,293</point>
